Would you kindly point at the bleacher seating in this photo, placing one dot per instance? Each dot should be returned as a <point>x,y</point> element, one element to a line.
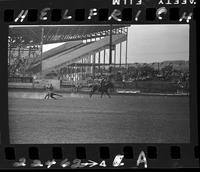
<point>64,57</point>
<point>72,50</point>
<point>65,47</point>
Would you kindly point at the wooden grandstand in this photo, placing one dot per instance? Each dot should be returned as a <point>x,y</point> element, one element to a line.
<point>83,50</point>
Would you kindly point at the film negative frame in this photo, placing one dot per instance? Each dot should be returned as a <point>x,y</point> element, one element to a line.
<point>100,156</point>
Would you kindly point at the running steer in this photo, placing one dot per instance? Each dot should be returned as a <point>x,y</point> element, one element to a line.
<point>50,93</point>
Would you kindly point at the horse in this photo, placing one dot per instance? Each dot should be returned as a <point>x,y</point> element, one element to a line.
<point>102,89</point>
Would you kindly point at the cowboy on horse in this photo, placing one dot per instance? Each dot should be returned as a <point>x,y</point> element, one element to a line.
<point>102,87</point>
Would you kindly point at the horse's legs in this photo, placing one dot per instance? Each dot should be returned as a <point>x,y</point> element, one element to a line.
<point>91,93</point>
<point>108,94</point>
<point>102,92</point>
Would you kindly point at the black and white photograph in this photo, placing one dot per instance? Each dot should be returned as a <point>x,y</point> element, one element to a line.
<point>71,84</point>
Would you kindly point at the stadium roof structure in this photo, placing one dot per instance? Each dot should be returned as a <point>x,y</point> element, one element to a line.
<point>28,35</point>
<point>72,52</point>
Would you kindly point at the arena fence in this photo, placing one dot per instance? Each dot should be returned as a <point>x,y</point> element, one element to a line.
<point>20,79</point>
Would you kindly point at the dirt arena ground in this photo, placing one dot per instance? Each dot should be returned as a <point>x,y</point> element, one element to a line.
<point>76,118</point>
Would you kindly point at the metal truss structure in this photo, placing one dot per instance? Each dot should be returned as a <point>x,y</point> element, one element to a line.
<point>30,40</point>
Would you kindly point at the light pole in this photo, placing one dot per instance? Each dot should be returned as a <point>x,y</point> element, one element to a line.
<point>110,52</point>
<point>41,46</point>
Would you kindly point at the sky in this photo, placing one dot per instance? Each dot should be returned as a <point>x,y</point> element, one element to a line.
<point>50,46</point>
<point>149,43</point>
<point>153,43</point>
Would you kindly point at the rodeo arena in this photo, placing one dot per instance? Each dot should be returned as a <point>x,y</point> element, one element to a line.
<point>80,92</point>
